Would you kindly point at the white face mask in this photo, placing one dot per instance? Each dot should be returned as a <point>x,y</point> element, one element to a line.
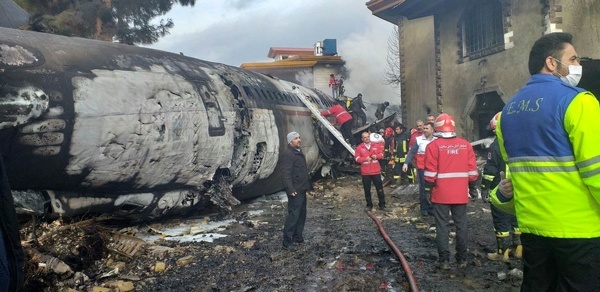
<point>574,75</point>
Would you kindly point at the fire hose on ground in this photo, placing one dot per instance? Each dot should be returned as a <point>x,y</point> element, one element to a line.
<point>409,275</point>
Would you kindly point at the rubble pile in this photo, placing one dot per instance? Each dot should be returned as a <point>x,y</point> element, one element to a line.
<point>241,251</point>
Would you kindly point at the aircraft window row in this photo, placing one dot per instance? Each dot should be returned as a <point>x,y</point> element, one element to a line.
<point>283,97</point>
<point>272,95</point>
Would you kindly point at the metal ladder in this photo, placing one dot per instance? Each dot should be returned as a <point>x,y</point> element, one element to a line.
<point>305,98</point>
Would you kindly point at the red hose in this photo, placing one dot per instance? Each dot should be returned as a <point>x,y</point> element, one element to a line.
<point>409,275</point>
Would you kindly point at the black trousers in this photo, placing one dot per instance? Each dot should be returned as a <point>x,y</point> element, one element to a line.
<point>4,268</point>
<point>560,264</point>
<point>376,179</point>
<point>503,222</point>
<point>424,202</point>
<point>459,215</point>
<point>360,118</point>
<point>346,130</point>
<point>294,223</point>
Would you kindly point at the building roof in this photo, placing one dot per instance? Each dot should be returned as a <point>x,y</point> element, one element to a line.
<point>299,61</point>
<point>274,51</point>
<point>392,10</point>
<point>12,15</point>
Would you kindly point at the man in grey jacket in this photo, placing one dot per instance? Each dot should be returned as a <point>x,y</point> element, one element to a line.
<point>296,181</point>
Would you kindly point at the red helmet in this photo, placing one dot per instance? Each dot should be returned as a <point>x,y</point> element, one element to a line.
<point>494,121</point>
<point>444,123</point>
<point>389,132</point>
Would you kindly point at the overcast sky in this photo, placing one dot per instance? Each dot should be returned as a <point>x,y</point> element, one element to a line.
<point>237,31</point>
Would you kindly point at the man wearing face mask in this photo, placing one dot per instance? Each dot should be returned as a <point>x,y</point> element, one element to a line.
<point>548,135</point>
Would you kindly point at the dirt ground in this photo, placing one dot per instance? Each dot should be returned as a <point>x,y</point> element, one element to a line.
<point>343,249</point>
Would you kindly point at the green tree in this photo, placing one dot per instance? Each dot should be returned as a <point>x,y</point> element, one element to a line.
<point>126,21</point>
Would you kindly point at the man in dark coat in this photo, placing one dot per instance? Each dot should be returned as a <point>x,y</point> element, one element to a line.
<point>296,181</point>
<point>357,107</point>
<point>11,253</point>
<point>380,112</point>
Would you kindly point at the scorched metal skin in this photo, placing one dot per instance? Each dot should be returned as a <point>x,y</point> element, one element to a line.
<point>91,126</point>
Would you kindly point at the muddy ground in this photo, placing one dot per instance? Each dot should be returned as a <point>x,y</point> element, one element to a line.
<point>343,249</point>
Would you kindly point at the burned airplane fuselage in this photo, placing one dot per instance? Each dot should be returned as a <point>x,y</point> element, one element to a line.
<point>92,126</point>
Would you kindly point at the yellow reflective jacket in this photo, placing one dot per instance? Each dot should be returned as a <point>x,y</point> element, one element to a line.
<point>549,136</point>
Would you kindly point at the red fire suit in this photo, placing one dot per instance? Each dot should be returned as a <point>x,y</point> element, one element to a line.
<point>371,170</point>
<point>449,167</point>
<point>362,152</point>
<point>339,113</point>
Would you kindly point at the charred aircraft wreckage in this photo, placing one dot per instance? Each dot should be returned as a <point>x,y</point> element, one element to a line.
<point>97,127</point>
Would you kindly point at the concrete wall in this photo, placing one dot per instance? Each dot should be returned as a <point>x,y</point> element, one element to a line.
<point>418,61</point>
<point>580,18</point>
<point>504,72</point>
<point>321,77</point>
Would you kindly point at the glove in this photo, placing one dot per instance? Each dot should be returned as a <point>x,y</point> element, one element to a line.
<point>474,194</point>
<point>474,191</point>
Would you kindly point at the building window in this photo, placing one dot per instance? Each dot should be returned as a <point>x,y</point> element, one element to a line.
<point>483,29</point>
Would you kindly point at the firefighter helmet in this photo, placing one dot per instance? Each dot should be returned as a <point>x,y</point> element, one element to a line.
<point>444,123</point>
<point>494,121</point>
<point>389,132</point>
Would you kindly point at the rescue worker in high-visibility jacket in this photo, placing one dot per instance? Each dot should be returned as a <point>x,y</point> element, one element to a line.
<point>548,134</point>
<point>450,174</point>
<point>399,152</point>
<point>505,224</point>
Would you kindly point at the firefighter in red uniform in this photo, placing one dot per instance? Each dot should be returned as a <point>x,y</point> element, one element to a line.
<point>342,118</point>
<point>450,174</point>
<point>368,154</point>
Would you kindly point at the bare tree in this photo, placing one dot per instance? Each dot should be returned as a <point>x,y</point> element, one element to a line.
<point>392,72</point>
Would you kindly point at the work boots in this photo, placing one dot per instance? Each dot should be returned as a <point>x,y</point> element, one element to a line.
<point>518,248</point>
<point>502,240</point>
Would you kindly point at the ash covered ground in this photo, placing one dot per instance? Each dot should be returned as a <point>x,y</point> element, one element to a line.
<point>242,251</point>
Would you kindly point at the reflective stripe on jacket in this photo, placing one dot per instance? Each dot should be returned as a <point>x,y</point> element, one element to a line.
<point>548,133</point>
<point>450,166</point>
<point>417,151</point>
<point>340,114</point>
<point>362,153</point>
